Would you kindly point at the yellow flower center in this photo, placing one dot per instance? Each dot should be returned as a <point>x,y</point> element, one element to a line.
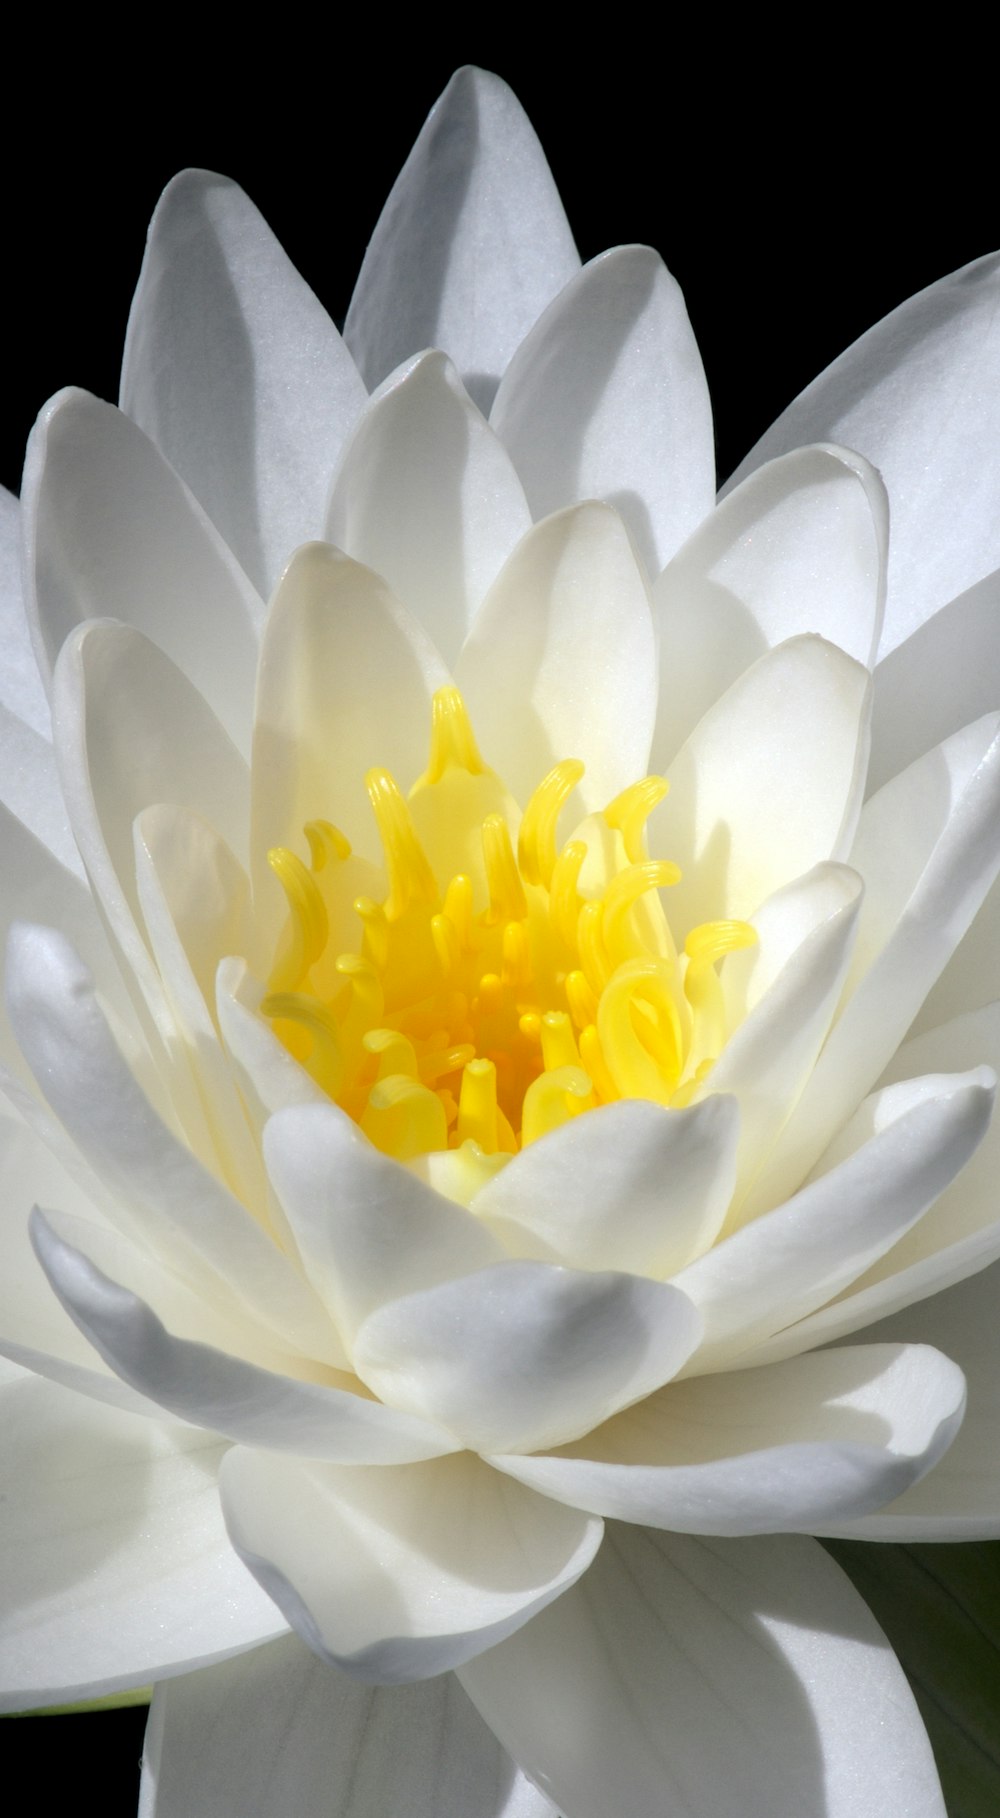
<point>504,984</point>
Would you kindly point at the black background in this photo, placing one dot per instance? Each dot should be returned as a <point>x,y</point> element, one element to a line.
<point>798,188</point>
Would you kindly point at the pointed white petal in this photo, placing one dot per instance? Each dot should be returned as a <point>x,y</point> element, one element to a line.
<point>774,1450</point>
<point>523,1356</point>
<point>112,532</point>
<point>368,1229</point>
<point>769,783</point>
<point>201,1384</point>
<point>918,396</point>
<point>116,1564</point>
<point>472,243</point>
<point>235,371</point>
<point>899,1152</point>
<point>428,497</point>
<point>740,1678</point>
<point>398,1572</point>
<point>960,1499</point>
<point>561,660</point>
<point>799,547</point>
<point>630,1186</point>
<point>278,1731</point>
<point>949,669</point>
<point>606,399</point>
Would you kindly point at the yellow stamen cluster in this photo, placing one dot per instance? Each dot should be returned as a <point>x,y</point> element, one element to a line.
<point>495,992</point>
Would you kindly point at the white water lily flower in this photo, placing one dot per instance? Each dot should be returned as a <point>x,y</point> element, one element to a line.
<point>443,1140</point>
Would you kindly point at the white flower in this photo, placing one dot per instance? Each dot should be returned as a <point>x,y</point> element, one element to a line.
<point>401,1364</point>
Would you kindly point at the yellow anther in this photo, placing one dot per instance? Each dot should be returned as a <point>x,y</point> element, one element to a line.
<point>563,895</point>
<point>477,1106</point>
<point>308,929</point>
<point>458,908</point>
<point>630,811</point>
<point>592,1056</point>
<point>581,999</point>
<point>411,879</point>
<point>536,842</point>
<point>490,994</point>
<point>530,1025</point>
<point>452,738</point>
<point>375,930</point>
<point>621,893</point>
<point>559,1048</point>
<point>507,899</point>
<point>404,1119</point>
<point>516,957</point>
<point>446,944</point>
<point>325,1059</point>
<point>326,843</point>
<point>711,941</point>
<point>394,1053</point>
<point>442,1061</point>
<point>552,1099</point>
<point>640,996</point>
<point>593,955</point>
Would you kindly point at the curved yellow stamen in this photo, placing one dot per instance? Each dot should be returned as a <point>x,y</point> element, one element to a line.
<point>552,1100</point>
<point>453,741</point>
<point>326,843</point>
<point>559,1048</point>
<point>325,1058</point>
<point>308,928</point>
<point>630,811</point>
<point>621,893</point>
<point>403,1118</point>
<point>394,1053</point>
<point>411,879</point>
<point>536,842</point>
<point>641,990</point>
<point>564,897</point>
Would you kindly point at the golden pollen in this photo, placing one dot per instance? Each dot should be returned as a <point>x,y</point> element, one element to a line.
<point>505,983</point>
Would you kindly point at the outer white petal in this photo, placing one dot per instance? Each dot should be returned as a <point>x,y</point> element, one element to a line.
<point>745,1679</point>
<point>630,1186</point>
<point>427,495</point>
<point>775,1450</point>
<point>561,660</point>
<point>116,1565</point>
<point>420,1566</point>
<point>368,1229</point>
<point>918,396</point>
<point>960,1499</point>
<point>898,1153</point>
<point>112,532</point>
<point>929,844</point>
<point>201,1384</point>
<point>951,665</point>
<point>346,679</point>
<point>799,547</point>
<point>606,399</point>
<point>268,1077</point>
<point>276,1731</point>
<point>130,730</point>
<point>472,243</point>
<point>235,371</point>
<point>29,788</point>
<point>523,1356</point>
<point>769,783</point>
<point>21,690</point>
<point>155,1186</point>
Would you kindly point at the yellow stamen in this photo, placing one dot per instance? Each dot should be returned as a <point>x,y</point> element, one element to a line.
<point>629,812</point>
<point>326,843</point>
<point>536,844</point>
<point>411,879</point>
<point>552,1100</point>
<point>453,741</point>
<point>507,898</point>
<point>308,928</point>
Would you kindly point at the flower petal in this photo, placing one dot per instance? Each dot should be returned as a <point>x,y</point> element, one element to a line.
<point>799,547</point>
<point>155,1186</point>
<point>277,1731</point>
<point>951,665</point>
<point>606,399</point>
<point>929,849</point>
<point>117,1566</point>
<point>368,1230</point>
<point>421,1567</point>
<point>630,1186</point>
<point>741,1678</point>
<point>269,1079</point>
<point>21,690</point>
<point>112,532</point>
<point>561,660</point>
<point>235,371</point>
<point>471,244</point>
<point>773,1450</point>
<point>29,789</point>
<point>917,396</point>
<point>199,1383</point>
<point>346,679</point>
<point>523,1356</point>
<point>898,1153</point>
<point>427,496</point>
<point>960,1500</point>
<point>769,783</point>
